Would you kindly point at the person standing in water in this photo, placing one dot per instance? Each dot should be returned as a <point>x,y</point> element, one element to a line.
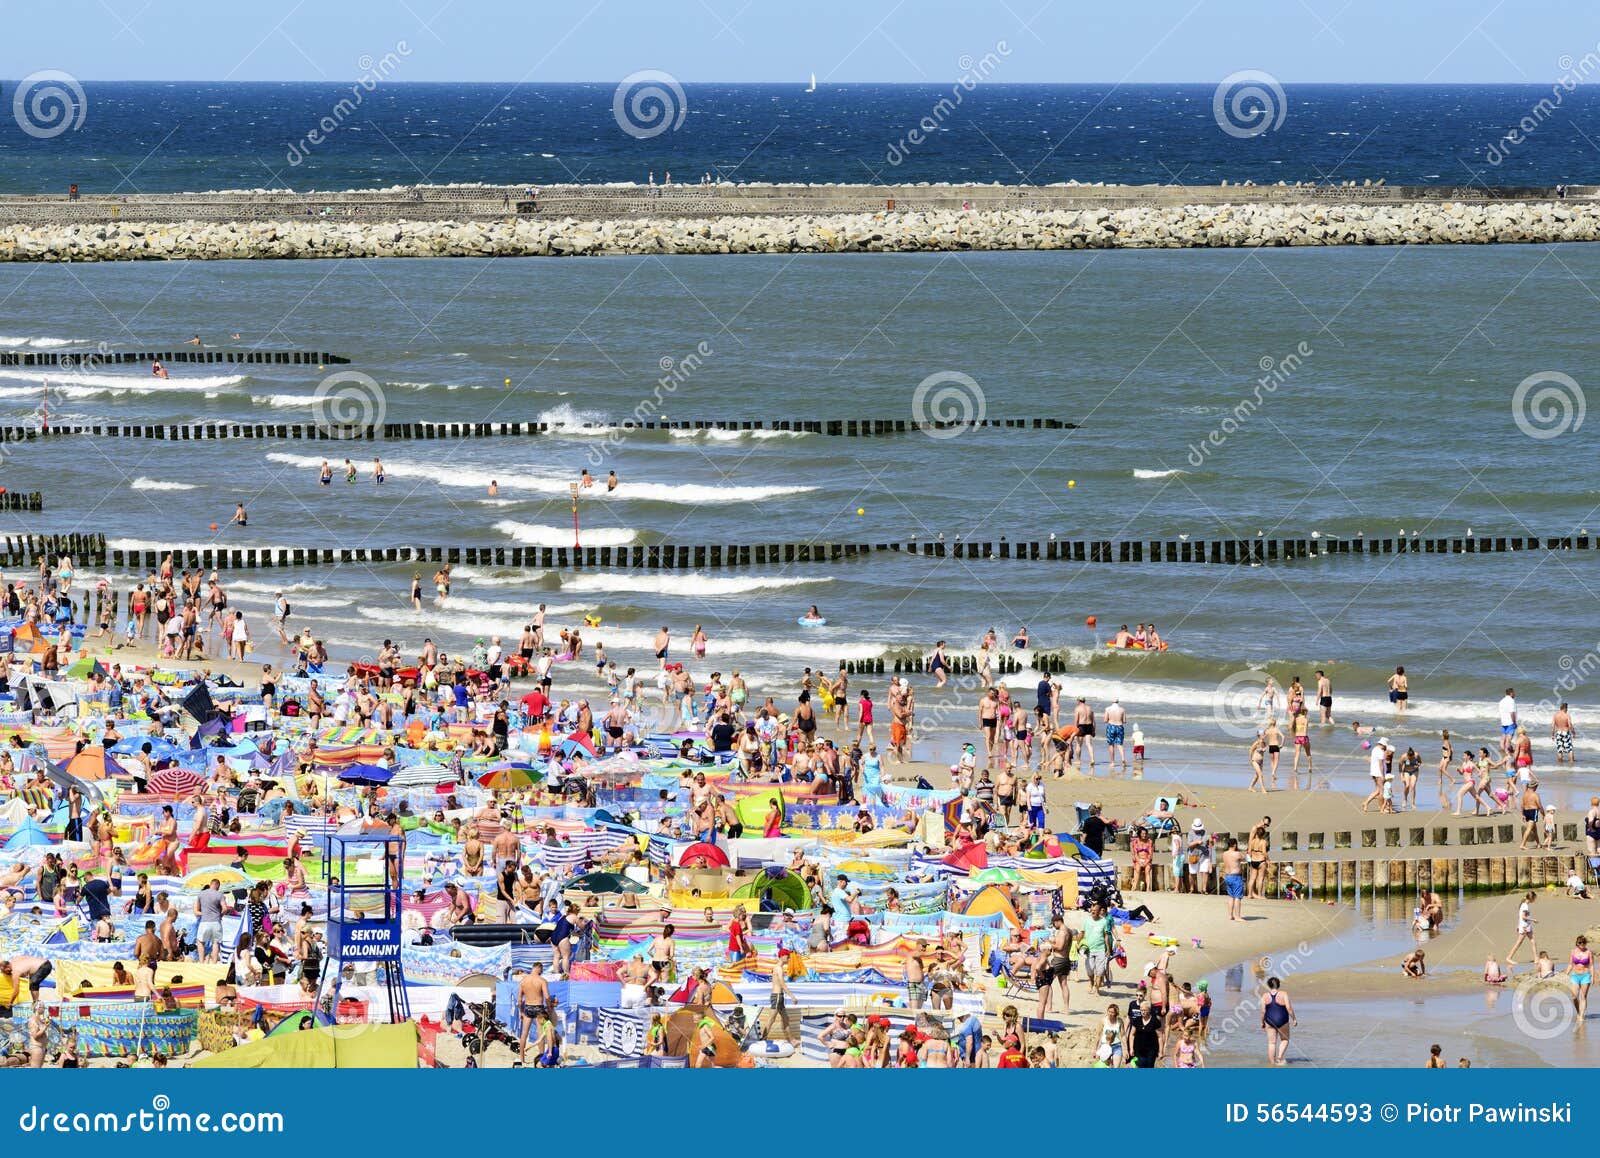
<point>1399,691</point>
<point>1325,696</point>
<point>377,471</point>
<point>1561,734</point>
<point>1277,1016</point>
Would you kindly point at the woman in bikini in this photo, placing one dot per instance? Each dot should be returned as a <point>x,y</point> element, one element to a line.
<point>1580,971</point>
<point>1469,785</point>
<point>663,950</point>
<point>1446,753</point>
<point>1257,854</point>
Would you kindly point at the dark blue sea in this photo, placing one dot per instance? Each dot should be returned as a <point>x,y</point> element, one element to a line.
<point>191,136</point>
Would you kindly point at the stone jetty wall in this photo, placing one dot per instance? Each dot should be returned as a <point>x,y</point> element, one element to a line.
<point>1349,217</point>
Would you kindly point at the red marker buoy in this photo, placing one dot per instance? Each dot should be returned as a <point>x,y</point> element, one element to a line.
<point>213,526</point>
<point>1090,622</point>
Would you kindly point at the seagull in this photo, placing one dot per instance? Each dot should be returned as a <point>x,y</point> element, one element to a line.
<point>1316,534</point>
<point>1052,536</point>
<point>1185,538</point>
<point>1469,532</point>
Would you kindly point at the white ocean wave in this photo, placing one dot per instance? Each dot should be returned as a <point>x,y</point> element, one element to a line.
<point>691,583</point>
<point>478,478</point>
<point>539,535</point>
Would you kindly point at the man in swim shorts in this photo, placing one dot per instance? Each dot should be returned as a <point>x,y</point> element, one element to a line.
<point>1233,879</point>
<point>1116,717</point>
<point>1325,696</point>
<point>533,997</point>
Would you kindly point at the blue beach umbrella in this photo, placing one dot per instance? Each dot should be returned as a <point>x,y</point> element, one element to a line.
<point>366,775</point>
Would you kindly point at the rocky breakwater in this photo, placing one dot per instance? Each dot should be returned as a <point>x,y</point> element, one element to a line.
<point>1172,227</point>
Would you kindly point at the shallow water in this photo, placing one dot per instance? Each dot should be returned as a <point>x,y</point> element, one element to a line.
<point>1400,418</point>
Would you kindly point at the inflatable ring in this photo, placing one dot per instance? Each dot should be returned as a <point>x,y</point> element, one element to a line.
<point>767,1048</point>
<point>1163,942</point>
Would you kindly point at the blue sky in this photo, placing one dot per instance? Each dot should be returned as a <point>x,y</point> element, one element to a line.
<point>1154,41</point>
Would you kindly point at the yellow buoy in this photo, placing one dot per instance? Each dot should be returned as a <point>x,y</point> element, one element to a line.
<point>861,510</point>
<point>508,381</point>
<point>1072,482</point>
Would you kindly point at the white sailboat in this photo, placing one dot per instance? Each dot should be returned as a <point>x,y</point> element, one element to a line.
<point>813,87</point>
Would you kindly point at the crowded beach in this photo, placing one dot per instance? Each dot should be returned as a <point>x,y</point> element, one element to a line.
<point>597,860</point>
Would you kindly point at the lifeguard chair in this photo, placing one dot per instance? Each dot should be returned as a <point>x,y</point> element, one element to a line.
<point>364,915</point>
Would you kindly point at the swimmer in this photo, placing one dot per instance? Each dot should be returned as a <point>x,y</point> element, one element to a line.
<point>377,470</point>
<point>158,370</point>
<point>611,481</point>
<point>194,341</point>
<point>325,476</point>
<point>240,519</point>
<point>494,488</point>
<point>586,480</point>
<point>235,337</point>
<point>349,471</point>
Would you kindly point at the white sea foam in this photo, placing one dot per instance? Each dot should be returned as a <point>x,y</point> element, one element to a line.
<point>296,602</point>
<point>477,478</point>
<point>72,381</point>
<point>157,484</point>
<point>10,343</point>
<point>270,588</point>
<point>217,544</point>
<point>1157,473</point>
<point>736,435</point>
<point>539,535</point>
<point>507,625</point>
<point>483,578</point>
<point>681,583</point>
